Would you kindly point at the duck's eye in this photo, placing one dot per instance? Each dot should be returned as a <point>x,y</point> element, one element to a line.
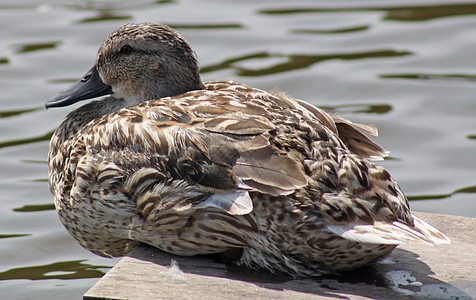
<point>126,49</point>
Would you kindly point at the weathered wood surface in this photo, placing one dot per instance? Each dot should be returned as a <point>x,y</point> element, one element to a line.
<point>412,271</point>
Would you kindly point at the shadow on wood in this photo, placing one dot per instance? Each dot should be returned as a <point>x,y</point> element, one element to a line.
<point>444,272</point>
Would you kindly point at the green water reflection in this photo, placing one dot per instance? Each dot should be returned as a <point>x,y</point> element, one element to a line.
<point>295,61</point>
<point>466,190</point>
<point>65,270</point>
<point>43,162</point>
<point>331,31</point>
<point>102,6</point>
<point>30,47</point>
<point>12,113</point>
<point>228,63</point>
<point>35,207</point>
<point>207,26</point>
<point>41,138</point>
<point>62,80</point>
<point>107,10</point>
<point>105,16</point>
<point>6,236</point>
<point>421,76</point>
<point>359,108</point>
<point>395,13</point>
<point>37,180</point>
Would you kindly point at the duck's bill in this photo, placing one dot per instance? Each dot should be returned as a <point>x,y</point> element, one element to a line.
<point>90,86</point>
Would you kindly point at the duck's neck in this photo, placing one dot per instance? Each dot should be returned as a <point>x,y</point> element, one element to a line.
<point>148,92</point>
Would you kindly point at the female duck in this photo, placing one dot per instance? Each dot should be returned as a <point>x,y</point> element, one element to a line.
<point>195,168</point>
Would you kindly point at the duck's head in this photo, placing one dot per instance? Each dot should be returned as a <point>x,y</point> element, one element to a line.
<point>137,62</point>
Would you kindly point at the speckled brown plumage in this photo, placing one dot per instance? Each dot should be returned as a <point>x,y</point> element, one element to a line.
<point>208,168</point>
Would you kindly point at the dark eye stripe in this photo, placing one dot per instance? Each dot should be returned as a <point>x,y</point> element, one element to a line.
<point>126,49</point>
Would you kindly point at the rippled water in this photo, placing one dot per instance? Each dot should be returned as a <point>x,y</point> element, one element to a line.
<point>410,70</point>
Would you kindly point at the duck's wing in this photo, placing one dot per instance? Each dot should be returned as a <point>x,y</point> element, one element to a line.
<point>357,142</point>
<point>371,208</point>
<point>205,145</point>
<point>351,134</point>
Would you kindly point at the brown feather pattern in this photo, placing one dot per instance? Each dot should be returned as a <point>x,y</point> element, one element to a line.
<point>226,167</point>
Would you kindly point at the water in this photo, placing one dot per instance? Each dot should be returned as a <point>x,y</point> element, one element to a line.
<point>410,70</point>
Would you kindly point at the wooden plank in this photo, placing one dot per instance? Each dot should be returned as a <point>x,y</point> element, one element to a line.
<point>443,272</point>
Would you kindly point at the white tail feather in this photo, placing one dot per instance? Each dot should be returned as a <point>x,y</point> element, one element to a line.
<point>435,235</point>
<point>391,233</point>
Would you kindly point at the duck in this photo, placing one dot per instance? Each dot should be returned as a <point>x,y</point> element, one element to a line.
<point>270,182</point>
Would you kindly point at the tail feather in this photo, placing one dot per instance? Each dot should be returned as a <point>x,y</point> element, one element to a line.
<point>391,233</point>
<point>436,237</point>
<point>358,143</point>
